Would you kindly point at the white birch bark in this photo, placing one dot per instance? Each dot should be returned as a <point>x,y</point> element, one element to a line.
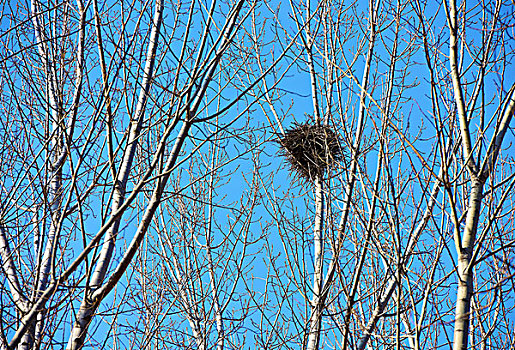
<point>465,269</point>
<point>323,282</point>
<point>11,271</point>
<point>466,243</point>
<point>59,143</point>
<point>46,246</point>
<point>317,302</point>
<point>89,305</point>
<point>100,287</point>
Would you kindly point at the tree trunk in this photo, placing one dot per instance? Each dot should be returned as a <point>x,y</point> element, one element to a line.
<point>89,306</point>
<point>465,268</point>
<point>317,303</point>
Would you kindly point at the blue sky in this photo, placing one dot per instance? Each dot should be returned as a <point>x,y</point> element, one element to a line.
<point>256,152</point>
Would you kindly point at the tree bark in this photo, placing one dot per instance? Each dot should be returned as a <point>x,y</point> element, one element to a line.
<point>317,302</point>
<point>465,268</point>
<point>88,305</point>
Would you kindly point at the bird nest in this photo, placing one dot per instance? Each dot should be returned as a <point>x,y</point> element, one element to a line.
<point>311,150</point>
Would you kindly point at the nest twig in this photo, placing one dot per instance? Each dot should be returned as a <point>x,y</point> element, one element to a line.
<point>311,150</point>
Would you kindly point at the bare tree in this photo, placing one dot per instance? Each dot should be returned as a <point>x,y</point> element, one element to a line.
<point>409,186</point>
<point>103,102</point>
<point>128,128</point>
<point>202,247</point>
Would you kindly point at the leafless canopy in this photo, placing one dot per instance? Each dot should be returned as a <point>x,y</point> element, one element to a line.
<point>142,207</point>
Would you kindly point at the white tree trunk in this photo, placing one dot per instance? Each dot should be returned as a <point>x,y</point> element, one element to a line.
<point>317,302</point>
<point>88,305</point>
<point>46,248</point>
<point>465,268</point>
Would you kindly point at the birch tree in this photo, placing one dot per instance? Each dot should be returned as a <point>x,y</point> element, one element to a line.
<point>102,104</point>
<point>428,167</point>
<point>141,195</point>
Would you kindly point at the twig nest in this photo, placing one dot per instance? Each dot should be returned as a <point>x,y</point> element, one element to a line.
<point>311,150</point>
